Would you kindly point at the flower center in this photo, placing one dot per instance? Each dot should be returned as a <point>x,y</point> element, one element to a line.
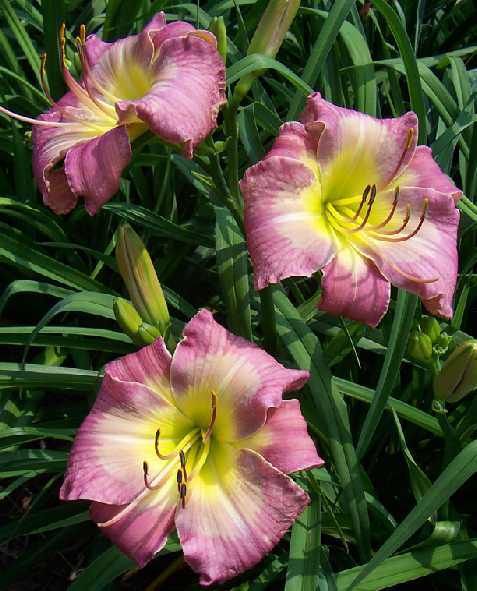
<point>371,219</point>
<point>192,452</point>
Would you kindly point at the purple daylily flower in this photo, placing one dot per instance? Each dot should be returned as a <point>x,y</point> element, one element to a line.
<point>352,196</point>
<point>169,79</point>
<point>201,441</point>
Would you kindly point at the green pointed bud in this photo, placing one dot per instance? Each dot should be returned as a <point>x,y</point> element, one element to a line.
<point>128,319</point>
<point>139,275</point>
<point>458,375</point>
<point>148,333</point>
<point>431,327</point>
<point>267,39</point>
<point>217,27</point>
<point>273,26</point>
<point>419,347</point>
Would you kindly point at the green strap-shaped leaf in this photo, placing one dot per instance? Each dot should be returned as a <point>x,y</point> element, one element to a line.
<point>258,62</point>
<point>410,566</point>
<point>304,560</point>
<point>17,375</point>
<point>331,413</point>
<point>462,467</point>
<point>232,266</point>
<point>338,13</point>
<point>29,259</point>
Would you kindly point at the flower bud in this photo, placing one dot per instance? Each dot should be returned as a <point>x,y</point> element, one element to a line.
<point>431,327</point>
<point>267,39</point>
<point>458,375</point>
<point>132,324</point>
<point>419,347</point>
<point>273,26</point>
<point>217,27</point>
<point>139,275</point>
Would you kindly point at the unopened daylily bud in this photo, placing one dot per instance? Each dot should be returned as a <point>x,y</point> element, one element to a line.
<point>217,27</point>
<point>273,27</point>
<point>148,333</point>
<point>128,318</point>
<point>419,347</point>
<point>458,375</point>
<point>140,332</point>
<point>430,326</point>
<point>139,275</point>
<point>268,37</point>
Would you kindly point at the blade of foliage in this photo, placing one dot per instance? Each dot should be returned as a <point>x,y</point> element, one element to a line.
<point>21,36</point>
<point>338,13</point>
<point>232,266</point>
<point>460,469</point>
<point>258,62</point>
<point>158,225</point>
<point>22,256</point>
<point>38,375</point>
<point>304,560</point>
<point>364,76</point>
<point>410,566</point>
<point>401,327</point>
<point>331,417</point>
<point>404,410</point>
<point>53,12</point>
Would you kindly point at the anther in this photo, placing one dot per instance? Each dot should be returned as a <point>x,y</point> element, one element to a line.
<point>82,34</point>
<point>182,494</point>
<point>61,36</point>
<point>363,201</point>
<point>213,417</point>
<point>43,82</point>
<point>368,211</point>
<point>145,469</point>
<point>183,464</point>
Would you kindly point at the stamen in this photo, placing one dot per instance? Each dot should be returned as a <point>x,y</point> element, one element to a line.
<point>179,480</point>
<point>169,456</point>
<point>212,418</point>
<point>82,34</point>
<point>137,499</point>
<point>199,464</point>
<point>412,278</point>
<point>43,82</point>
<point>181,448</point>
<point>405,222</point>
<point>182,494</point>
<point>62,40</point>
<point>414,232</point>
<point>407,147</point>
<point>363,201</point>
<point>368,212</point>
<point>30,120</point>
<point>147,484</point>
<point>391,213</point>
<point>183,464</point>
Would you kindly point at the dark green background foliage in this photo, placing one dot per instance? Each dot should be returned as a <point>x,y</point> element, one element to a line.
<point>399,477</point>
